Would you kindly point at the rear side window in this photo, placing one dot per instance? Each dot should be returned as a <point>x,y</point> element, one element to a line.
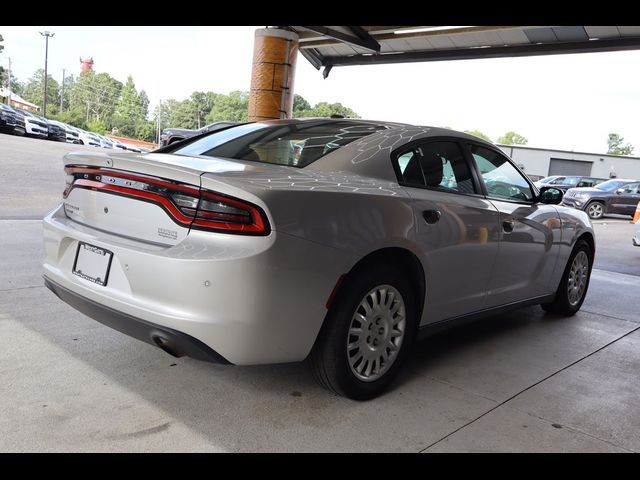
<point>437,165</point>
<point>291,144</point>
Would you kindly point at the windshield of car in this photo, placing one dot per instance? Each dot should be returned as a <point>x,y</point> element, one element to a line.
<point>292,144</point>
<point>548,179</point>
<point>610,185</point>
<point>571,181</point>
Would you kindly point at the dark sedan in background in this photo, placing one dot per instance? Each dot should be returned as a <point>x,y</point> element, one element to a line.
<point>172,135</point>
<point>573,181</point>
<point>11,121</point>
<point>620,196</point>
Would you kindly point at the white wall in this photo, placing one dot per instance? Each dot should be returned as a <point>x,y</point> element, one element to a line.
<point>536,162</point>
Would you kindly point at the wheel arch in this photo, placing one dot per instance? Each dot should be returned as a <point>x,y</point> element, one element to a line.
<point>394,256</point>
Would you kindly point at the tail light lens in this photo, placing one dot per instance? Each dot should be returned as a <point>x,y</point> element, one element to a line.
<point>187,205</point>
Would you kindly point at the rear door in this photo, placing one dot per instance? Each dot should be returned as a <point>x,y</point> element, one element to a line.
<point>529,233</point>
<point>457,228</point>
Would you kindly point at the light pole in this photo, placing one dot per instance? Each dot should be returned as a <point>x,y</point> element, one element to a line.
<point>46,34</point>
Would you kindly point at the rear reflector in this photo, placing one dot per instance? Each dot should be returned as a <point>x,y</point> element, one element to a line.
<point>187,205</point>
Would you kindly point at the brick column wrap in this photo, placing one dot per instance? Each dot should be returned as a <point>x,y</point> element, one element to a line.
<point>274,63</point>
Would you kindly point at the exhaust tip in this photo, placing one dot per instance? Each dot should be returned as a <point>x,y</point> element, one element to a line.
<point>167,345</point>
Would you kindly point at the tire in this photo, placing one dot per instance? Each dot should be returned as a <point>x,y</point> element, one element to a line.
<point>566,303</point>
<point>595,210</point>
<point>336,366</point>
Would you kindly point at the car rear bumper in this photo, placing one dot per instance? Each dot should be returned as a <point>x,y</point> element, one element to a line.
<point>171,341</point>
<point>252,300</point>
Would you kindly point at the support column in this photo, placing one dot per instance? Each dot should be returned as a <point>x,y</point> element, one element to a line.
<point>274,62</point>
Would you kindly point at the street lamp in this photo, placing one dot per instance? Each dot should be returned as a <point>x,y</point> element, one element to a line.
<point>46,34</point>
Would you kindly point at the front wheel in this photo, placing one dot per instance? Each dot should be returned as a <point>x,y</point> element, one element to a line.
<point>367,334</point>
<point>595,210</point>
<point>574,283</point>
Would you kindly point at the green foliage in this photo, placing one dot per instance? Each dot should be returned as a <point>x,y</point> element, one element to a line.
<point>478,133</point>
<point>34,91</point>
<point>325,109</point>
<point>616,147</point>
<point>97,126</point>
<point>74,117</point>
<point>2,72</point>
<point>69,84</point>
<point>131,109</point>
<point>146,130</point>
<point>232,107</point>
<point>299,105</point>
<point>96,94</point>
<point>512,138</point>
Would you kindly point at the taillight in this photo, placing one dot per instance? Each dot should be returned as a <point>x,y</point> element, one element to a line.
<point>219,212</point>
<point>187,205</point>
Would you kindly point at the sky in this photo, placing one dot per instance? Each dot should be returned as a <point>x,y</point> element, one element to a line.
<point>567,102</point>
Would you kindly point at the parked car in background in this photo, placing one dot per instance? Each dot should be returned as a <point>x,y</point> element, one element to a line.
<point>172,135</point>
<point>105,142</point>
<point>617,195</point>
<point>573,181</point>
<point>72,133</point>
<point>88,138</point>
<point>118,144</point>
<point>11,121</point>
<point>35,126</point>
<point>544,181</point>
<point>56,130</point>
<point>235,248</point>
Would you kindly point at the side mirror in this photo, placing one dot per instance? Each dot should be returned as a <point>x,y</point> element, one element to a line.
<point>550,195</point>
<point>619,191</point>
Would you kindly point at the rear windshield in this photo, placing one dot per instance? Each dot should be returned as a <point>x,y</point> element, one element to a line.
<point>293,144</point>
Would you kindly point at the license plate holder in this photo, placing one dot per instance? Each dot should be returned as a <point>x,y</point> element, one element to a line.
<point>92,263</point>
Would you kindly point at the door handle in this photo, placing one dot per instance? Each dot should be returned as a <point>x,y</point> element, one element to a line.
<point>431,216</point>
<point>508,225</point>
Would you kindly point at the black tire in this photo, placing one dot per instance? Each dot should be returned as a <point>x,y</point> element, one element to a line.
<point>598,213</point>
<point>329,357</point>
<point>561,304</point>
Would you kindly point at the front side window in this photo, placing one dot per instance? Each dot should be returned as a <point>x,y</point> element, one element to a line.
<point>631,188</point>
<point>502,179</point>
<point>291,144</point>
<point>438,165</point>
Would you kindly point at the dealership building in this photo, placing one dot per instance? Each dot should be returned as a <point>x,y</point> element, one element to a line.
<point>542,162</point>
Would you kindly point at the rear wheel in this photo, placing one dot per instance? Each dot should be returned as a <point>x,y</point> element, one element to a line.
<point>574,283</point>
<point>367,334</point>
<point>595,210</point>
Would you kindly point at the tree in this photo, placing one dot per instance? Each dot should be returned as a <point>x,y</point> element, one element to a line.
<point>478,133</point>
<point>300,105</point>
<point>65,92</point>
<point>233,107</point>
<point>96,94</point>
<point>616,147</point>
<point>128,111</point>
<point>512,138</point>
<point>325,109</point>
<point>34,91</point>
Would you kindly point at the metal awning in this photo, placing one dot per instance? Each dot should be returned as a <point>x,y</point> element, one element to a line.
<point>330,46</point>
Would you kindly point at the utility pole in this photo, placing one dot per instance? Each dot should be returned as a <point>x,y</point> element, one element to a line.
<point>62,90</point>
<point>9,86</point>
<point>46,34</point>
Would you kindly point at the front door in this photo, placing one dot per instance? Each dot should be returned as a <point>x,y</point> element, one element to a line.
<point>625,202</point>
<point>530,232</point>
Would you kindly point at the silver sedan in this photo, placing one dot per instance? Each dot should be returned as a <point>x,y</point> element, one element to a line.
<point>333,240</point>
